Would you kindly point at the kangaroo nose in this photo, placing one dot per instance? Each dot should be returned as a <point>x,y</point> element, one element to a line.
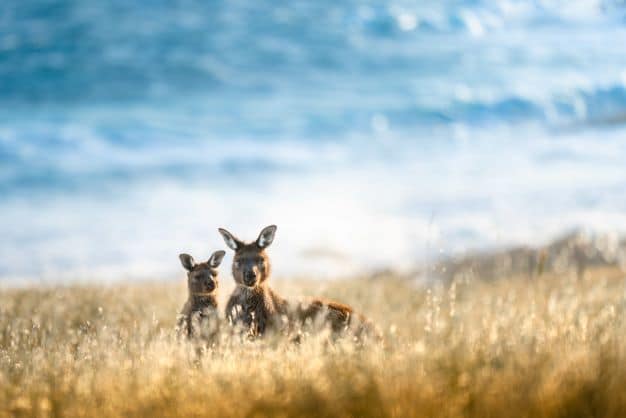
<point>249,277</point>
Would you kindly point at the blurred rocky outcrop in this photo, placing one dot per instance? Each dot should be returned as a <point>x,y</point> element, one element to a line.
<point>573,253</point>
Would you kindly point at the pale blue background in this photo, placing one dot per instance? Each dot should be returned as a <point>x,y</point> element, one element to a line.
<point>372,134</point>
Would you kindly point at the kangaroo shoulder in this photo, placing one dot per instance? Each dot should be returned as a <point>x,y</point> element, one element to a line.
<point>279,302</point>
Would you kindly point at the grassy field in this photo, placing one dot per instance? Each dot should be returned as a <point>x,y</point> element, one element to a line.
<point>551,346</point>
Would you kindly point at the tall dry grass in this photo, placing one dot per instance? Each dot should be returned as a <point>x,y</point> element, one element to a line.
<point>548,347</point>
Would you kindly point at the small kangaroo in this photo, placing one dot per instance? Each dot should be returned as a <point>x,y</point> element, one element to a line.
<point>254,304</point>
<point>199,316</point>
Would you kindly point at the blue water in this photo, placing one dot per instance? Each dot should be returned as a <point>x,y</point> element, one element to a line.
<point>373,134</point>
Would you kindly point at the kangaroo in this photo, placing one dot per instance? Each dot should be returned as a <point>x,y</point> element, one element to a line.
<point>199,316</point>
<point>255,305</point>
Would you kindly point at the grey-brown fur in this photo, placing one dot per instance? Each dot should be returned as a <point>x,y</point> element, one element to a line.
<point>258,308</point>
<point>341,318</point>
<point>253,304</point>
<point>199,316</point>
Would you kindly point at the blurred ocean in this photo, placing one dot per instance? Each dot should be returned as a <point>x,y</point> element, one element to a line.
<point>374,134</point>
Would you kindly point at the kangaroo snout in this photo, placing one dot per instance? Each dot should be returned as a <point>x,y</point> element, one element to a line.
<point>249,278</point>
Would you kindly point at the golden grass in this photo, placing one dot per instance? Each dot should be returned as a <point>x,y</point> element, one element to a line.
<point>549,347</point>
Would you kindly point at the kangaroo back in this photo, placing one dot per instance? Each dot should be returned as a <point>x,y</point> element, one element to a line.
<point>339,317</point>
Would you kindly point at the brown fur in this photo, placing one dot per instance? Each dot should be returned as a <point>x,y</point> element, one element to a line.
<point>258,308</point>
<point>199,316</point>
<point>339,317</point>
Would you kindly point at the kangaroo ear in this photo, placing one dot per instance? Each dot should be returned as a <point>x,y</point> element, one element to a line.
<point>230,240</point>
<point>216,258</point>
<point>187,261</point>
<point>266,236</point>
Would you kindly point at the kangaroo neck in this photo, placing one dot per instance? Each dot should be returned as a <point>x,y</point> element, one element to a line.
<point>260,288</point>
<point>203,300</point>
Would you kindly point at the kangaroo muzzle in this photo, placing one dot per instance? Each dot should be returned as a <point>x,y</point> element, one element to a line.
<point>249,278</point>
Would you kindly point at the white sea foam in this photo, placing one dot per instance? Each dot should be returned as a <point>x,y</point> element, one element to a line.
<point>339,216</point>
<point>373,135</point>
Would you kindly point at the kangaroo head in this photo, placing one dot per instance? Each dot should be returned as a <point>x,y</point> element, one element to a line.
<point>251,265</point>
<point>202,277</point>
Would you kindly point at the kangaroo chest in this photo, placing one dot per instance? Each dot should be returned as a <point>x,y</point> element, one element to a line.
<point>256,302</point>
<point>254,308</point>
<point>199,318</point>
